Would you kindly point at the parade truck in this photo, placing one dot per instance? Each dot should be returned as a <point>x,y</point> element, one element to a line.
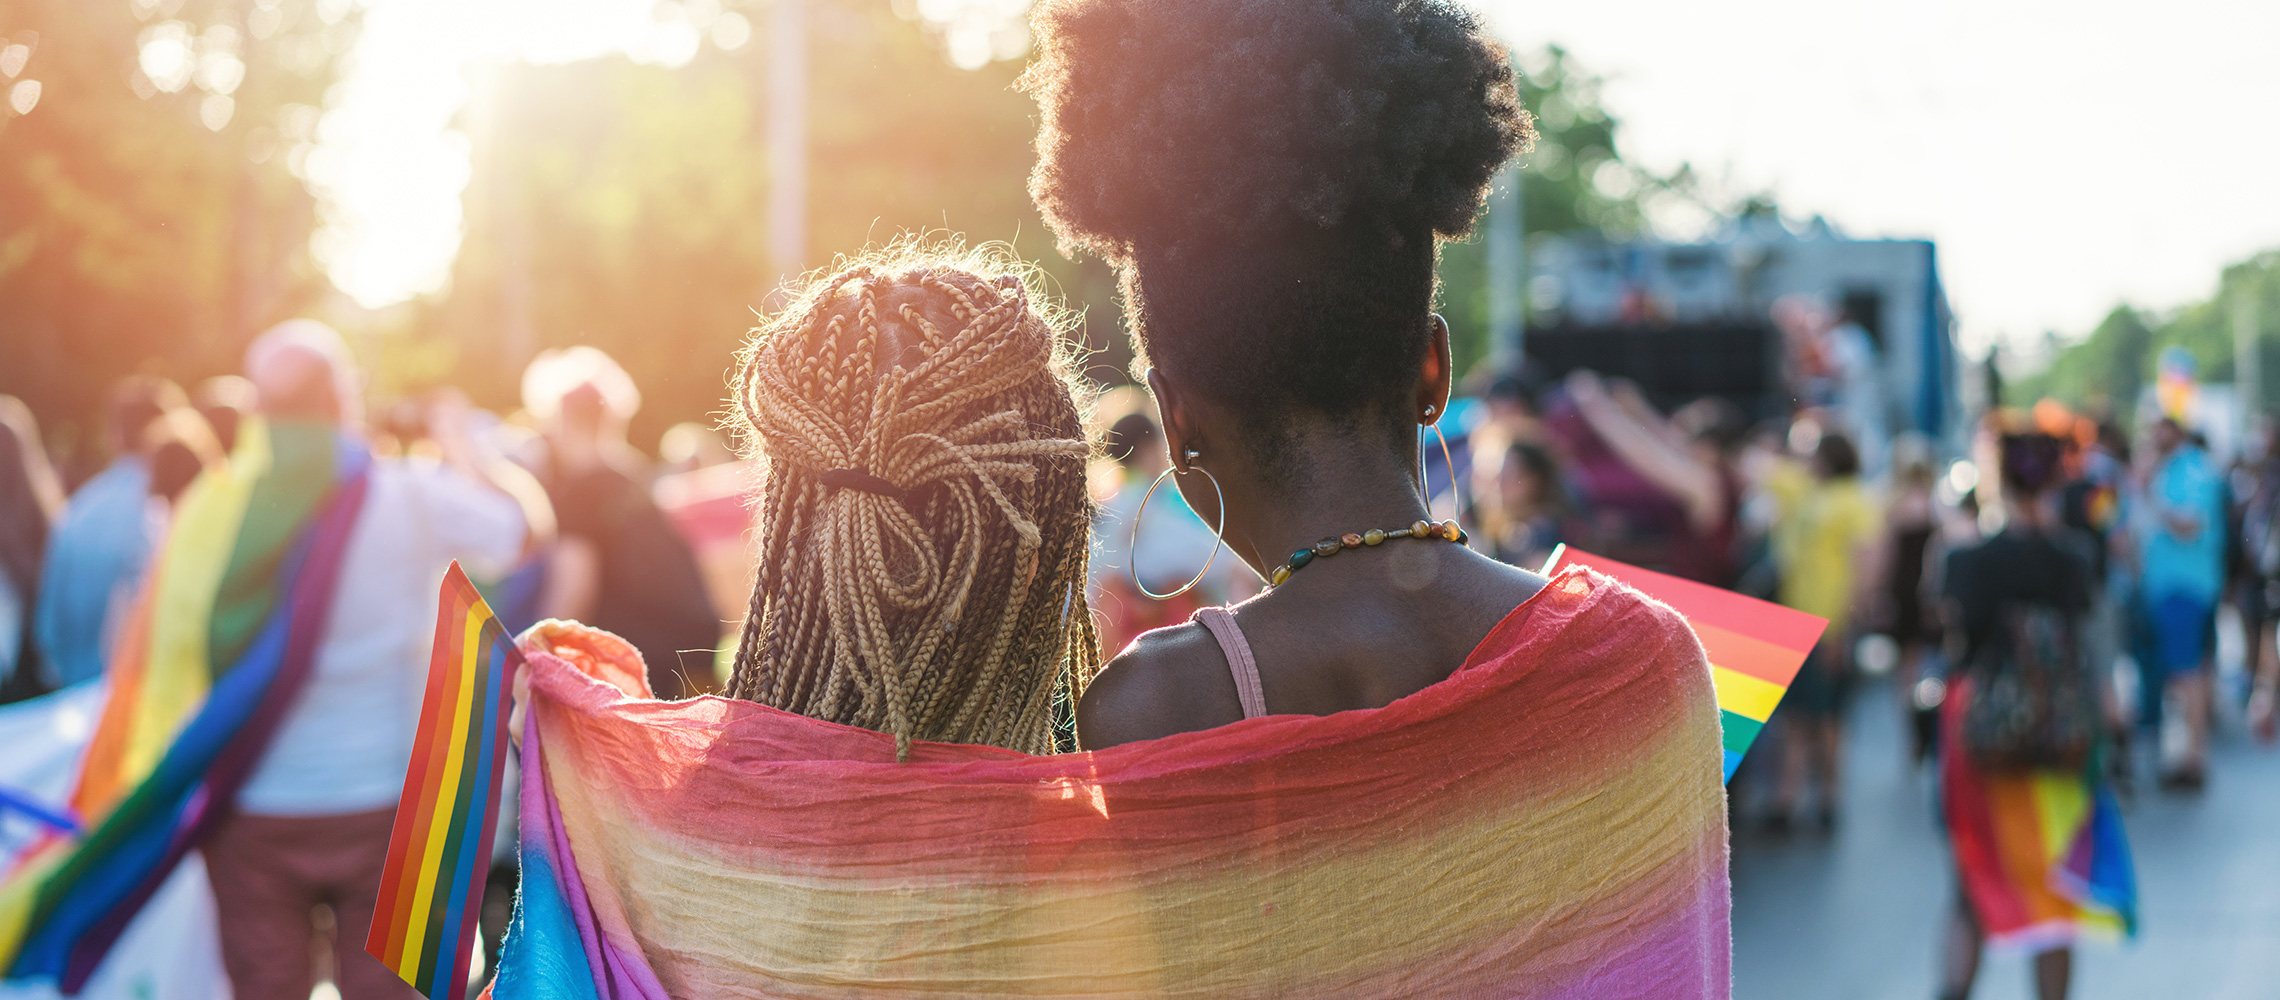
<point>1687,320</point>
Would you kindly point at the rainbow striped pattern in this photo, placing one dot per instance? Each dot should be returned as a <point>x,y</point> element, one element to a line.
<point>1546,823</point>
<point>217,649</point>
<point>1755,647</point>
<point>431,888</point>
<point>2041,854</point>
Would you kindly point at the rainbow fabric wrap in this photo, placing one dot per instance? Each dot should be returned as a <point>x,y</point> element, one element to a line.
<point>1548,822</point>
<point>2042,854</point>
<point>440,851</point>
<point>1755,647</point>
<point>213,657</point>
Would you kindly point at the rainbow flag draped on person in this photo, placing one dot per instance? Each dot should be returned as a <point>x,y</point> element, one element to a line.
<point>215,652</point>
<point>2041,853</point>
<point>1548,822</point>
<point>1755,647</point>
<point>440,850</point>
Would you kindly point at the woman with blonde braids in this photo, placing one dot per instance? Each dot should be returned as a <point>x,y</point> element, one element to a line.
<point>923,515</point>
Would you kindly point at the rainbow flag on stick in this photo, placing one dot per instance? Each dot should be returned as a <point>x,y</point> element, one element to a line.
<point>1755,647</point>
<point>431,889</point>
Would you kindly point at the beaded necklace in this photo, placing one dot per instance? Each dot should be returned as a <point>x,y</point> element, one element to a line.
<point>1424,530</point>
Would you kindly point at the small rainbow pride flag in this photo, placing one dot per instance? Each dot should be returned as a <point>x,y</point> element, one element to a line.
<point>1755,647</point>
<point>431,889</point>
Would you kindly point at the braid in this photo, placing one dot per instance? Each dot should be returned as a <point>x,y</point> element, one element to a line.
<point>955,611</point>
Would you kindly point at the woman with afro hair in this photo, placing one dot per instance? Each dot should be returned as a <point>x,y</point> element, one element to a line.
<point>1271,180</point>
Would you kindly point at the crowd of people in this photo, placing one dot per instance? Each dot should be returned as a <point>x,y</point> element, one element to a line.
<point>1292,594</point>
<point>565,518</point>
<point>552,507</point>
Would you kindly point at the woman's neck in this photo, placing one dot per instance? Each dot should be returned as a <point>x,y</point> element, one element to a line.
<point>1338,495</point>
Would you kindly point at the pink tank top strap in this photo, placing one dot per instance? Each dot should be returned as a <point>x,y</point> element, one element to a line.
<point>1222,626</point>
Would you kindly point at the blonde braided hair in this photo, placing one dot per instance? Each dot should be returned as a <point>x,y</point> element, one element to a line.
<point>942,597</point>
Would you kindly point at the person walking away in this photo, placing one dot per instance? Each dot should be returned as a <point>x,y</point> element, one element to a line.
<point>30,496</point>
<point>1824,536</point>
<point>2259,588</point>
<point>1910,531</point>
<point>96,556</point>
<point>313,821</point>
<point>2038,847</point>
<point>618,565</point>
<point>2180,534</point>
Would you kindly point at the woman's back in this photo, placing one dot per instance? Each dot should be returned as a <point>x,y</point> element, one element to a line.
<point>1357,642</point>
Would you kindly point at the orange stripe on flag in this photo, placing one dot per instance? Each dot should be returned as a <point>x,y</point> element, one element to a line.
<point>1744,654</point>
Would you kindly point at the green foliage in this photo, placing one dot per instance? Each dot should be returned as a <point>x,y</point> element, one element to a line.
<point>625,206</point>
<point>147,228</point>
<point>2107,369</point>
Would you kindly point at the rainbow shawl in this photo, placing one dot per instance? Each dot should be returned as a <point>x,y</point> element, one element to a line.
<point>207,666</point>
<point>2042,854</point>
<point>1548,822</point>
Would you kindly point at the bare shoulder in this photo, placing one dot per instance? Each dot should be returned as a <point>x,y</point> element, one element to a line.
<point>1170,680</point>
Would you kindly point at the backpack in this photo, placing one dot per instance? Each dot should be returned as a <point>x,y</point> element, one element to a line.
<point>2032,703</point>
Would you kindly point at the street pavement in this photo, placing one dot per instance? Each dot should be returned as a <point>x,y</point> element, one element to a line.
<point>1856,915</point>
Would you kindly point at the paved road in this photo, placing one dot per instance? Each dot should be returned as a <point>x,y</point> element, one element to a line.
<point>1855,916</point>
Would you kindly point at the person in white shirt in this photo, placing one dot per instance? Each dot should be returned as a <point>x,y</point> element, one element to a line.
<point>312,823</point>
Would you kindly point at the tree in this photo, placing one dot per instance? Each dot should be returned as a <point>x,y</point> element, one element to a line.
<point>2110,367</point>
<point>1575,178</point>
<point>151,216</point>
<point>623,205</point>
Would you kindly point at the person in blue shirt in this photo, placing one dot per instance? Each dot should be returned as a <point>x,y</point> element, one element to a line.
<point>2180,535</point>
<point>97,552</point>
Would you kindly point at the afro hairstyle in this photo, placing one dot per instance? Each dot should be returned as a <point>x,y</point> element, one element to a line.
<point>1271,179</point>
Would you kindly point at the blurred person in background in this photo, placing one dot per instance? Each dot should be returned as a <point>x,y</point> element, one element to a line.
<point>2258,591</point>
<point>1692,465</point>
<point>1512,409</point>
<point>2179,530</point>
<point>617,565</point>
<point>688,446</point>
<point>702,494</point>
<point>1174,543</point>
<point>1858,403</point>
<point>312,822</point>
<point>225,401</point>
<point>2022,882</point>
<point>2090,504</point>
<point>96,557</point>
<point>1911,531</point>
<point>1521,505</point>
<point>30,498</point>
<point>1824,540</point>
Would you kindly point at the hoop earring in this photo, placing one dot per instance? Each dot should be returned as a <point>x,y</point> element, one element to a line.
<point>1447,463</point>
<point>1218,539</point>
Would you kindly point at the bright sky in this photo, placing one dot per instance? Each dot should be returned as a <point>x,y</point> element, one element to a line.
<point>2065,156</point>
<point>389,166</point>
